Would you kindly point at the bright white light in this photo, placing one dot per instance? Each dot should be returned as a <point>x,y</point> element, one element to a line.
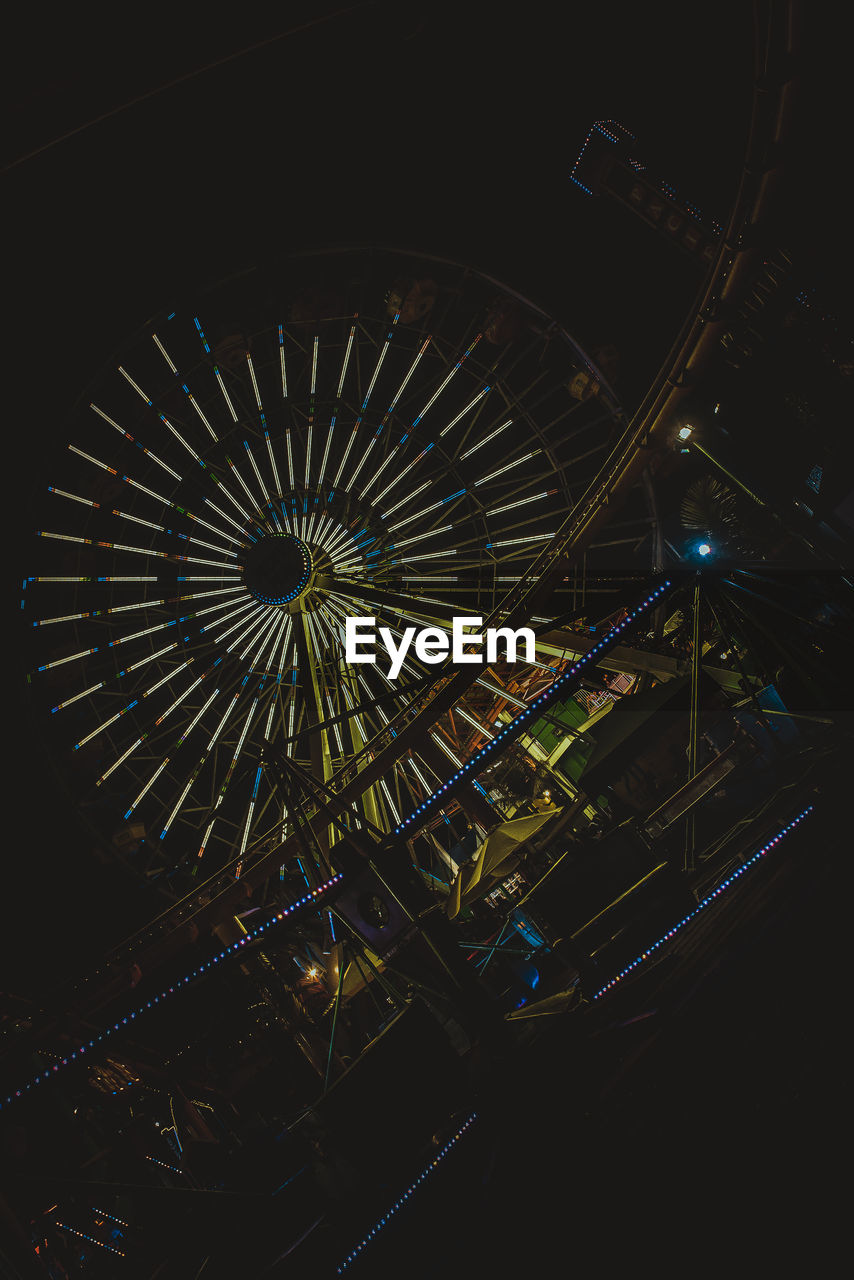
<point>685,432</point>
<point>224,391</point>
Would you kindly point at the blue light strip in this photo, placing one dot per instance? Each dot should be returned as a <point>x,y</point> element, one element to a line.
<point>476,763</point>
<point>403,1197</point>
<point>704,902</point>
<point>608,129</point>
<point>63,1226</point>
<point>201,969</point>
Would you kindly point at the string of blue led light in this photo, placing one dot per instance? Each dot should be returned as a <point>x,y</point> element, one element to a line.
<point>704,902</point>
<point>311,897</point>
<point>63,1226</point>
<point>403,1197</point>
<point>477,762</point>
<point>701,905</point>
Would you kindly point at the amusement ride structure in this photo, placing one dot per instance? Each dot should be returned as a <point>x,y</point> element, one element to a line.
<point>358,878</point>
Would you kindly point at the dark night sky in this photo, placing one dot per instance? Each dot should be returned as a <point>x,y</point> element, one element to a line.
<point>390,124</point>
<point>386,124</point>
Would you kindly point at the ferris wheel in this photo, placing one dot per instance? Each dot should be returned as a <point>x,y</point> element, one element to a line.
<point>359,433</point>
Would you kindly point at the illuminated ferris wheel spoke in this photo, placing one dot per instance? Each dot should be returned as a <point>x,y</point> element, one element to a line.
<point>445,382</point>
<point>102,613</point>
<point>290,457</point>
<point>312,393</point>
<point>82,578</point>
<point>224,389</point>
<point>237,750</point>
<point>282,366</point>
<point>419,537</point>
<point>132,439</point>
<point>199,716</point>
<point>140,551</point>
<point>102,684</point>
<point>214,608</point>
<point>279,649</point>
<point>278,631</point>
<point>257,519</point>
<point>247,823</point>
<point>250,630</point>
<point>520,502</point>
<point>63,493</point>
<point>338,396</point>
<point>276,481</point>
<point>165,354</point>
<point>287,639</point>
<point>180,802</point>
<point>508,466</point>
<point>121,759</point>
<point>512,542</point>
<point>339,555</point>
<point>149,524</point>
<point>160,769</point>
<point>393,455</point>
<point>201,334</point>
<point>84,653</point>
<point>334,540</point>
<point>144,792</point>
<point>344,557</point>
<point>364,405</point>
<point>175,432</point>
<point>210,503</point>
<point>403,501</point>
<point>140,697</point>
<point>484,391</point>
<point>325,526</point>
<point>185,537</point>
<point>386,417</point>
<point>292,698</point>
<point>243,610</point>
<point>222,487</point>
<point>159,497</point>
<point>199,412</point>
<point>254,381</point>
<point>486,439</point>
<point>444,578</point>
<point>418,418</point>
<point>173,706</point>
<point>198,768</point>
<point>199,577</point>
<point>211,546</point>
<point>266,628</point>
<point>264,490</point>
<point>350,443</point>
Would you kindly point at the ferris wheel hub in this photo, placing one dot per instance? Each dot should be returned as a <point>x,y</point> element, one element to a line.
<point>278,568</point>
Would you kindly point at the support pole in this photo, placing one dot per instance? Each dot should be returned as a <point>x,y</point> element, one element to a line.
<point>341,967</point>
<point>693,728</point>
